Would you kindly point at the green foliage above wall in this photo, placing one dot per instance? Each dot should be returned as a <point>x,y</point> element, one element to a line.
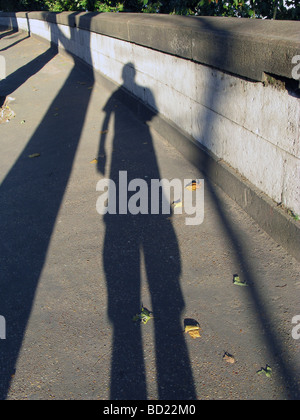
<point>268,9</point>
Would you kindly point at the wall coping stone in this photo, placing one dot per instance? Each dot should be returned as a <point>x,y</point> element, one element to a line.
<point>248,48</point>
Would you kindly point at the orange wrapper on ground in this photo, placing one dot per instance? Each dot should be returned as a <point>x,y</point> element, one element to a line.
<point>194,185</point>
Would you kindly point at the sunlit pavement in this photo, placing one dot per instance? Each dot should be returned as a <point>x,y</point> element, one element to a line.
<point>72,280</point>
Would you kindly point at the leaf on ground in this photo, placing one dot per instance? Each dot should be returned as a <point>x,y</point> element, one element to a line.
<point>34,155</point>
<point>194,333</point>
<point>94,161</point>
<point>267,371</point>
<point>144,316</point>
<point>228,358</point>
<point>193,329</point>
<point>6,113</point>
<point>238,281</point>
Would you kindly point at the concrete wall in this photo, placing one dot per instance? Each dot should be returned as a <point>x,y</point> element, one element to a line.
<point>208,78</point>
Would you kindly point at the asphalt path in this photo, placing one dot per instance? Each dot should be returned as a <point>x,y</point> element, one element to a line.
<point>72,280</point>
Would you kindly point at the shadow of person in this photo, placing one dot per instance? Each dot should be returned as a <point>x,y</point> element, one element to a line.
<point>130,239</point>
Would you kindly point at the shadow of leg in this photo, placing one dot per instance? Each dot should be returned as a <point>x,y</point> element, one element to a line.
<point>122,267</point>
<point>163,266</point>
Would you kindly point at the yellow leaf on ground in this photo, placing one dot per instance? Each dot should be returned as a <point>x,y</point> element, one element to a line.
<point>228,358</point>
<point>193,330</point>
<point>194,334</point>
<point>189,328</point>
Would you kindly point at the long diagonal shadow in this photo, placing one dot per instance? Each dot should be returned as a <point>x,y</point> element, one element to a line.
<point>8,32</point>
<point>15,43</point>
<point>30,198</point>
<point>223,56</point>
<point>21,75</point>
<point>129,238</point>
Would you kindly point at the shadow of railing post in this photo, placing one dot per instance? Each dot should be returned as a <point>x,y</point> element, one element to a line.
<point>12,27</point>
<point>273,342</point>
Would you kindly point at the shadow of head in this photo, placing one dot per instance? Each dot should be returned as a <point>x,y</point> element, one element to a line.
<point>144,106</point>
<point>128,75</point>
